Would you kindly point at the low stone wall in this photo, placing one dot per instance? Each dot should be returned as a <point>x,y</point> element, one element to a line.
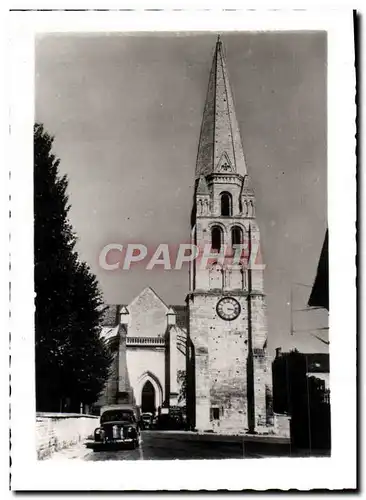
<point>55,431</point>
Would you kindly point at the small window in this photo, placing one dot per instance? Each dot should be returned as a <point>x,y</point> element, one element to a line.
<point>226,204</point>
<point>215,413</point>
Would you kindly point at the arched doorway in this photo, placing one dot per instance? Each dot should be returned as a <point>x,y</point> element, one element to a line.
<point>148,398</point>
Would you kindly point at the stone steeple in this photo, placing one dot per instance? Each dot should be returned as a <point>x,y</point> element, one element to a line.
<point>230,377</point>
<point>220,147</point>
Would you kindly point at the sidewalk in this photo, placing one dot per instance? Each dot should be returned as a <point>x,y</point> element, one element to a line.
<point>78,451</point>
<point>210,436</point>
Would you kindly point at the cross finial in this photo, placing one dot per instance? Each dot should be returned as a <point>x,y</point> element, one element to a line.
<point>218,38</point>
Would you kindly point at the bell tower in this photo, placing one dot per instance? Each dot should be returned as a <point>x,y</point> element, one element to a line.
<point>227,312</point>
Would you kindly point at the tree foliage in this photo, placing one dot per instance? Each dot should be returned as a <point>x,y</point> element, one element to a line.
<point>71,359</point>
<point>182,381</point>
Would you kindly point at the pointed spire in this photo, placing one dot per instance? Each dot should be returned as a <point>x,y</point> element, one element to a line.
<point>171,316</point>
<point>202,187</point>
<point>220,136</point>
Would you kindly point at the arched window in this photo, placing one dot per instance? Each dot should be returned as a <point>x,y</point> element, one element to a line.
<point>216,238</point>
<point>216,276</point>
<point>226,204</point>
<point>236,236</point>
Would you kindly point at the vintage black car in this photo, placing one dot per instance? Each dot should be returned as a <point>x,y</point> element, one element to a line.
<point>147,420</point>
<point>118,427</point>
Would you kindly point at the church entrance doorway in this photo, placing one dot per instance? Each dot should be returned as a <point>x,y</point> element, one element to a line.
<point>148,398</point>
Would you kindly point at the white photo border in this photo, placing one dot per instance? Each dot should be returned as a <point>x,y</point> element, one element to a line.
<point>336,472</point>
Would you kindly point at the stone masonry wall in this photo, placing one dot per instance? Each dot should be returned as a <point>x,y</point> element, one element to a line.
<point>261,363</point>
<point>147,315</point>
<point>108,396</point>
<point>260,367</point>
<point>221,356</point>
<point>199,337</point>
<point>257,269</point>
<point>282,425</point>
<point>221,364</point>
<point>55,431</point>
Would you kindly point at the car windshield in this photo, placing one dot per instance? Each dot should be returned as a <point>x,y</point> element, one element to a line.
<point>117,415</point>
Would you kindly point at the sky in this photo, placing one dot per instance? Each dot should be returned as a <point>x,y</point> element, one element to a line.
<point>126,111</point>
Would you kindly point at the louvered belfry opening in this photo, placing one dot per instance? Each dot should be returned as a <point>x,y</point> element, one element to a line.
<point>216,238</point>
<point>236,236</point>
<point>226,204</point>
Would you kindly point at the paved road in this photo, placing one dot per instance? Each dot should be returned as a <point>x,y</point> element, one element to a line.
<point>169,446</point>
<point>156,447</point>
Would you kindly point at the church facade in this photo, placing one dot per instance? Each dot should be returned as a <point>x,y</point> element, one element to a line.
<point>217,343</point>
<point>149,364</point>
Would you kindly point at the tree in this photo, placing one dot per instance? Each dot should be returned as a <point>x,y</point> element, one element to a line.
<point>182,381</point>
<point>72,360</point>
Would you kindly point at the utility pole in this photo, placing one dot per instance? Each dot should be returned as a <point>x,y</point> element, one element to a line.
<point>291,312</point>
<point>250,367</point>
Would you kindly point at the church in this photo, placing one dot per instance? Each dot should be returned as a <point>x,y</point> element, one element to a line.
<point>210,355</point>
<point>150,360</point>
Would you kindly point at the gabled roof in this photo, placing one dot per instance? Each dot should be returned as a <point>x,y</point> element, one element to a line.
<point>110,316</point>
<point>220,147</point>
<point>148,291</point>
<point>320,292</point>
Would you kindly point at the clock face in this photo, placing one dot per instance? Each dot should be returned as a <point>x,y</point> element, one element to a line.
<point>228,308</point>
